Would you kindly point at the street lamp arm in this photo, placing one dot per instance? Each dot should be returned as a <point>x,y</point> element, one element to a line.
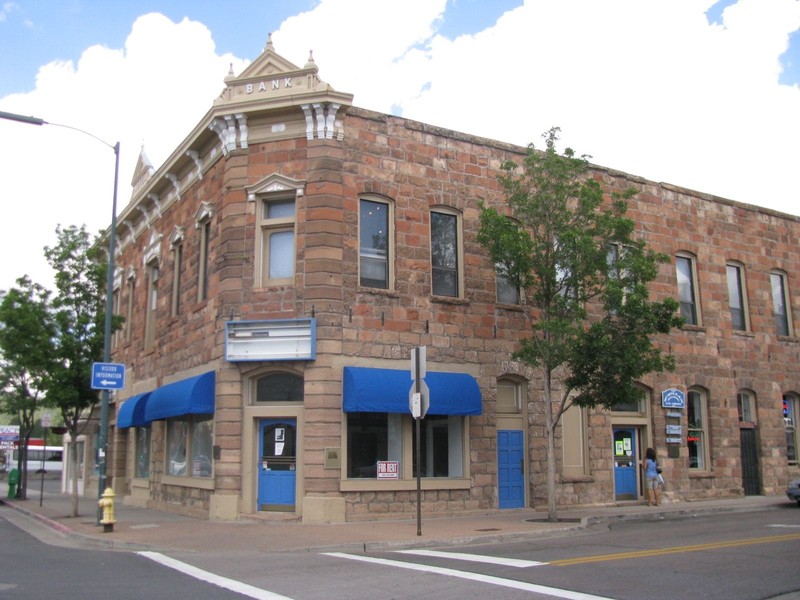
<point>37,121</point>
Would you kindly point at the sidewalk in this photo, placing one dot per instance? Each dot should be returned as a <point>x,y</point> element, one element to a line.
<point>147,529</point>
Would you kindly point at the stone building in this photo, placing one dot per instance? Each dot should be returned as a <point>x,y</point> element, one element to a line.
<point>277,270</point>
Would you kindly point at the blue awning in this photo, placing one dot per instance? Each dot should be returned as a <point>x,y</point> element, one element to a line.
<point>131,413</point>
<point>386,390</point>
<point>193,396</point>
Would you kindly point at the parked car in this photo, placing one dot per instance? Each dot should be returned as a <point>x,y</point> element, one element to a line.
<point>793,491</point>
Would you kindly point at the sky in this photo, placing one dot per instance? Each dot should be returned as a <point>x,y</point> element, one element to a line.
<point>704,94</point>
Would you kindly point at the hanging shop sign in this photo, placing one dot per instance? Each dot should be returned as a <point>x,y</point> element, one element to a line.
<point>673,398</point>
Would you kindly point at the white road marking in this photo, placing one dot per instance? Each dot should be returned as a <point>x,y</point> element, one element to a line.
<point>508,583</point>
<point>491,560</point>
<point>223,582</point>
<point>784,526</point>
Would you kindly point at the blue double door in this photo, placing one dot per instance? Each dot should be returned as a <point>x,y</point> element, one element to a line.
<point>277,464</point>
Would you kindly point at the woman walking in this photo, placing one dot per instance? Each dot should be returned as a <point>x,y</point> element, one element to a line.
<point>651,478</point>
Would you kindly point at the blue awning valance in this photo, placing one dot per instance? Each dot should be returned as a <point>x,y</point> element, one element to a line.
<point>131,413</point>
<point>386,390</point>
<point>193,396</point>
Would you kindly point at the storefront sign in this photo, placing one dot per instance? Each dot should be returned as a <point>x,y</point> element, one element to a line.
<point>388,469</point>
<point>673,398</point>
<point>674,430</point>
<point>674,440</point>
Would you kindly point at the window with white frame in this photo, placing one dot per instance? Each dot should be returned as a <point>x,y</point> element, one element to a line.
<point>177,274</point>
<point>276,259</point>
<point>687,288</point>
<point>736,296</point>
<point>445,253</point>
<point>375,243</point>
<point>151,306</point>
<point>189,446</point>
<point>791,411</point>
<point>780,303</point>
<point>374,437</point>
<point>142,452</point>
<point>697,429</point>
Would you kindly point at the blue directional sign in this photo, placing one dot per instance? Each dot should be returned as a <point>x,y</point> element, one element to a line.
<point>108,376</point>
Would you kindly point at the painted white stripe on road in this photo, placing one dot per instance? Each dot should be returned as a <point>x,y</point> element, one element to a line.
<point>508,583</point>
<point>223,582</point>
<point>490,560</point>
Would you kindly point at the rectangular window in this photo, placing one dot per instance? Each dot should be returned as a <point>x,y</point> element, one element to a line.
<point>440,446</point>
<point>736,297</point>
<point>277,243</point>
<point>129,311</point>
<point>791,406</point>
<point>143,435</point>
<point>507,293</point>
<point>444,254</point>
<point>189,445</point>
<point>177,265</point>
<point>574,445</point>
<point>780,302</point>
<point>744,406</point>
<point>686,289</point>
<point>203,261</point>
<point>150,309</point>
<point>116,337</point>
<point>374,244</point>
<point>696,430</point>
<point>373,437</point>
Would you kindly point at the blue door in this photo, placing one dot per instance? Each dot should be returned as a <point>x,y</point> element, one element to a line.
<point>277,464</point>
<point>625,464</point>
<point>510,468</point>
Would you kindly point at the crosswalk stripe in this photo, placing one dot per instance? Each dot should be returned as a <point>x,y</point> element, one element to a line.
<point>478,558</point>
<point>499,581</point>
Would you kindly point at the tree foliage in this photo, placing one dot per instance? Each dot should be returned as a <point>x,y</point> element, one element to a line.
<point>572,250</point>
<point>26,351</point>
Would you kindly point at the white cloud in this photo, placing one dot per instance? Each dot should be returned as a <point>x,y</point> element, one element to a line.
<point>646,87</point>
<point>153,93</point>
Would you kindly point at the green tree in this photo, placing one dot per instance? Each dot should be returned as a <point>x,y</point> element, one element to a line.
<point>78,310</point>
<point>586,276</point>
<point>26,350</point>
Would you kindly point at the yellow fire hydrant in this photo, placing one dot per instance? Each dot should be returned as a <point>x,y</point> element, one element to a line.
<point>106,503</point>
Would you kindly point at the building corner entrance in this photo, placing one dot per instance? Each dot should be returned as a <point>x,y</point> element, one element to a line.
<point>277,464</point>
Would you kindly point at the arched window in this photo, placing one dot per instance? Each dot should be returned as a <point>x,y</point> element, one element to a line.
<point>279,387</point>
<point>697,428</point>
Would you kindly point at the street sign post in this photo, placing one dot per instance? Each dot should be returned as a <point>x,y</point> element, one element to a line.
<point>108,376</point>
<point>418,403</point>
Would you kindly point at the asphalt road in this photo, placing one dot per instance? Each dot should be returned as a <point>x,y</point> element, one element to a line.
<point>735,556</point>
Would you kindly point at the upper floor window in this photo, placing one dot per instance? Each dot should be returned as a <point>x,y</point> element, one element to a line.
<point>687,289</point>
<point>791,410</point>
<point>780,303</point>
<point>203,223</point>
<point>277,243</point>
<point>177,270</point>
<point>129,308</point>
<point>375,244</point>
<point>697,429</point>
<point>445,253</point>
<point>150,308</point>
<point>744,406</point>
<point>736,296</point>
